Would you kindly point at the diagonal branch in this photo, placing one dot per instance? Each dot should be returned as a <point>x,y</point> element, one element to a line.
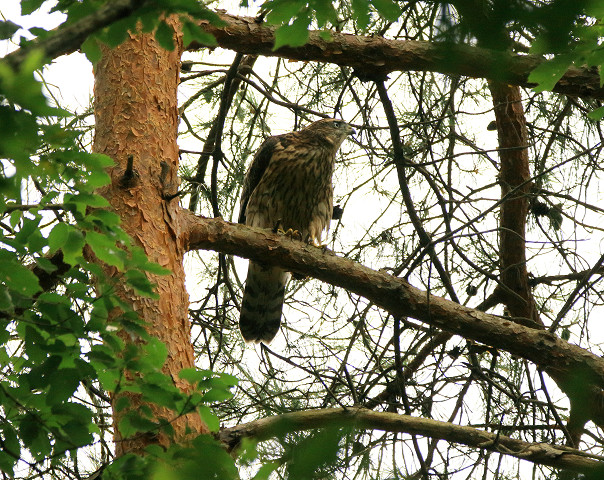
<point>397,297</point>
<point>540,453</point>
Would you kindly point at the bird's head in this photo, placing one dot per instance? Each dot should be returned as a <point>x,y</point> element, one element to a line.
<point>333,130</point>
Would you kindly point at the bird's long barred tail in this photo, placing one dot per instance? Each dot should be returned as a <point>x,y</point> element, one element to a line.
<point>262,303</point>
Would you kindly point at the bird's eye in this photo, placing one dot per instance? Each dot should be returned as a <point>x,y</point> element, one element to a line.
<point>337,124</point>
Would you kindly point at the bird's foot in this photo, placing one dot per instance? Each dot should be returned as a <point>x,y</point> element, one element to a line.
<point>293,234</point>
<point>290,232</point>
<point>314,242</point>
<point>278,228</point>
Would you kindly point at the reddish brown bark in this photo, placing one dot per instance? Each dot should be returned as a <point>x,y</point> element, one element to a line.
<point>516,292</point>
<point>514,178</point>
<point>136,114</point>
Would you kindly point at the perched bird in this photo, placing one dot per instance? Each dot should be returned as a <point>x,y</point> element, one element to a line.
<point>287,186</point>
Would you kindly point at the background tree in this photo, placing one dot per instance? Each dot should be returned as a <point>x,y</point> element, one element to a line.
<point>481,194</point>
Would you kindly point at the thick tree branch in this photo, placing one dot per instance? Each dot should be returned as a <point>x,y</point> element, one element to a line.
<point>514,175</point>
<point>365,54</point>
<point>396,296</point>
<point>540,453</point>
<point>375,55</point>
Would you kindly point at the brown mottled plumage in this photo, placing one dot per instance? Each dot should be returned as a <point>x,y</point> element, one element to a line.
<point>287,184</point>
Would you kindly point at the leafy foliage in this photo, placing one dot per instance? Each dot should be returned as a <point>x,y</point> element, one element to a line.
<point>61,342</point>
<point>62,347</point>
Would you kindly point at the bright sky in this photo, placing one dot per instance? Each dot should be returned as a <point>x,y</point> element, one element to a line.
<point>72,72</point>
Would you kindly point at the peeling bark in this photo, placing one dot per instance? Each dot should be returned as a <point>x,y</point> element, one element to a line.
<point>136,115</point>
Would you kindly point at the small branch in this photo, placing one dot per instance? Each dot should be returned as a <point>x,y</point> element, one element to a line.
<point>225,103</point>
<point>231,82</point>
<point>539,453</point>
<point>130,177</point>
<point>401,163</point>
<point>573,297</point>
<point>11,207</point>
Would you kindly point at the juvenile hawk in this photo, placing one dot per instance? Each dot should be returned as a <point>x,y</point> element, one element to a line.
<point>287,184</point>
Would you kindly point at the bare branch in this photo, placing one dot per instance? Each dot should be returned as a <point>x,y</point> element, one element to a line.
<point>395,295</point>
<point>361,418</point>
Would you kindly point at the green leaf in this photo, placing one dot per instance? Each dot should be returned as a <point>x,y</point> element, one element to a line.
<point>30,6</point>
<point>7,29</point>
<point>84,200</point>
<point>75,419</point>
<point>159,395</point>
<point>217,395</point>
<point>265,471</point>
<point>72,249</point>
<point>226,380</point>
<point>209,418</point>
<point>58,236</point>
<point>194,375</point>
<point>7,462</point>
<point>360,10</point>
<point>294,35</point>
<point>596,114</point>
<point>193,32</point>
<point>283,11</point>
<point>117,32</point>
<point>104,217</point>
<point>11,449</point>
<point>387,9</point>
<point>19,278</point>
<point>211,460</point>
<point>547,74</point>
<point>63,383</point>
<point>156,352</point>
<point>140,283</point>
<point>96,161</point>
<point>45,264</point>
<point>31,431</point>
<point>6,302</point>
<point>325,12</point>
<point>133,423</point>
<point>313,454</point>
<point>36,242</point>
<point>28,227</point>
<point>165,36</point>
<point>326,35</point>
<point>105,249</point>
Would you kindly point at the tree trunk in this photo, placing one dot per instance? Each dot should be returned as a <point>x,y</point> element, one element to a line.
<point>136,115</point>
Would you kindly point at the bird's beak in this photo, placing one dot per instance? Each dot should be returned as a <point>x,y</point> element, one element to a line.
<point>352,131</point>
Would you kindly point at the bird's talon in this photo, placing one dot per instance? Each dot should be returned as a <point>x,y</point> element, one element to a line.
<point>294,234</point>
<point>278,227</point>
<point>290,233</point>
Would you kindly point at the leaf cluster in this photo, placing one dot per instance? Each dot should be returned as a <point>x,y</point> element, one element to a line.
<point>62,348</point>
